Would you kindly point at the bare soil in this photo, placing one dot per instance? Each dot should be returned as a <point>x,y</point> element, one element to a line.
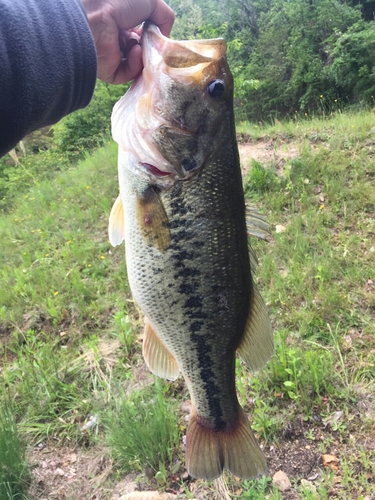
<point>266,151</point>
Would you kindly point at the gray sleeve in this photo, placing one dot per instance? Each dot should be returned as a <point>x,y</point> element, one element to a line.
<point>47,65</point>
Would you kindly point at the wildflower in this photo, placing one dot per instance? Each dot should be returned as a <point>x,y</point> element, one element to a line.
<point>47,254</point>
<point>321,207</point>
<point>321,96</point>
<point>26,196</point>
<point>68,242</point>
<point>56,293</point>
<point>305,114</point>
<point>87,187</point>
<point>33,230</point>
<point>102,257</point>
<point>88,265</point>
<point>335,100</point>
<point>38,230</point>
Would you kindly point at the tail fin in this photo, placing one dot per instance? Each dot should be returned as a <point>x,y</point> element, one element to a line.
<point>209,451</point>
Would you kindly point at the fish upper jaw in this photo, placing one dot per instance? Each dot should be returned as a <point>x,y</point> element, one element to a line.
<point>146,125</point>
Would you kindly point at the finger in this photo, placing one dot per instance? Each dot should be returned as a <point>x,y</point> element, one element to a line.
<point>130,67</point>
<point>163,17</point>
<point>127,39</point>
<point>133,12</point>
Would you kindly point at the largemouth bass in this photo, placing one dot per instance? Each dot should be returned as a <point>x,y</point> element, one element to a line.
<point>181,212</point>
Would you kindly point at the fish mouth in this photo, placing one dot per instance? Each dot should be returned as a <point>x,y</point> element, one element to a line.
<point>191,56</point>
<point>145,127</point>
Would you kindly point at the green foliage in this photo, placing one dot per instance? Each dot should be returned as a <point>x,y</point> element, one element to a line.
<point>303,374</point>
<point>55,252</point>
<point>14,473</point>
<point>259,178</point>
<point>143,429</point>
<point>90,127</point>
<point>353,61</point>
<point>52,393</point>
<point>258,489</point>
<point>287,56</point>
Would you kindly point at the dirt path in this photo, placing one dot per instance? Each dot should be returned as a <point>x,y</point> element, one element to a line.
<point>266,151</point>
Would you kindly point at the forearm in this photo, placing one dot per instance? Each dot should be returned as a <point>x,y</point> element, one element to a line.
<point>48,65</point>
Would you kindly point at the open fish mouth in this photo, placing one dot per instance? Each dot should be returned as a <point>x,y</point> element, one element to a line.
<point>186,59</point>
<point>154,123</point>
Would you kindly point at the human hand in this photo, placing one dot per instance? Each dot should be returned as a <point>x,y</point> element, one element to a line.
<point>113,24</point>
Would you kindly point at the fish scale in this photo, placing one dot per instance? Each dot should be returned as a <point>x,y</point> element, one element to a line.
<point>181,212</point>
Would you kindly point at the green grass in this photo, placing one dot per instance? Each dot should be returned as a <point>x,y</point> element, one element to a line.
<point>69,330</point>
<point>14,471</point>
<point>143,430</point>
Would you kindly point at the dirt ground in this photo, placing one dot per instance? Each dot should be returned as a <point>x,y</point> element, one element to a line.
<point>265,151</point>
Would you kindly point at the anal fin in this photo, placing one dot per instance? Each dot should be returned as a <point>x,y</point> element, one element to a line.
<point>209,451</point>
<point>256,346</point>
<point>157,357</point>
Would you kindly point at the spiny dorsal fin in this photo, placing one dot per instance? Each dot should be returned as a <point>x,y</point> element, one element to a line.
<point>116,226</point>
<point>256,346</point>
<point>256,224</point>
<point>157,357</point>
<point>153,220</point>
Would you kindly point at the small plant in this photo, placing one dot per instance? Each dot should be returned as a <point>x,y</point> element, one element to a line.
<point>258,489</point>
<point>259,179</point>
<point>125,331</point>
<point>143,430</point>
<point>14,473</point>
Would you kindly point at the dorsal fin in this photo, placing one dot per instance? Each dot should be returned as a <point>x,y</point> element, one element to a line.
<point>256,346</point>
<point>116,226</point>
<point>256,224</point>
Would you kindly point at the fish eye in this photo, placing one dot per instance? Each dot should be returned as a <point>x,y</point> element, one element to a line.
<point>215,88</point>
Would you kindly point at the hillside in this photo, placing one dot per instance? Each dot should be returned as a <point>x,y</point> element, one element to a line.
<point>70,334</point>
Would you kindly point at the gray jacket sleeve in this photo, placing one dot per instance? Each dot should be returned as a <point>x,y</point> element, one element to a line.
<point>47,65</point>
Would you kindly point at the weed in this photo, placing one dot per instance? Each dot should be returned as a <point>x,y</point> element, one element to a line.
<point>259,178</point>
<point>258,489</point>
<point>143,430</point>
<point>14,473</point>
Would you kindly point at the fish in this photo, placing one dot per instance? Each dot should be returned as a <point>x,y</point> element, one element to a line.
<point>182,214</point>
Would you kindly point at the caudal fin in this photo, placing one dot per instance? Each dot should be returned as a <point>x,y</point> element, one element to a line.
<point>209,451</point>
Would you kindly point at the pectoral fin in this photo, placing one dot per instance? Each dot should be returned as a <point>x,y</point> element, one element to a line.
<point>153,220</point>
<point>157,357</point>
<point>256,346</point>
<point>116,226</point>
